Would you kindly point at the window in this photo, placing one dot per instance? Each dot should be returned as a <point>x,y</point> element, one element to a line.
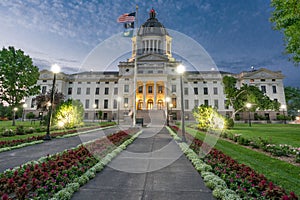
<point>273,80</point>
<point>115,91</point>
<point>44,81</point>
<point>186,91</point>
<point>106,82</point>
<point>195,82</point>
<point>195,90</point>
<point>87,103</point>
<point>215,90</point>
<point>216,103</point>
<point>206,102</point>
<point>97,103</point>
<point>174,102</point>
<point>32,103</point>
<point>160,71</point>
<point>88,82</point>
<point>150,89</point>
<point>115,104</point>
<point>140,72</point>
<point>105,106</point>
<point>106,91</point>
<point>140,89</point>
<point>126,100</point>
<point>276,100</point>
<point>44,89</point>
<point>160,89</point>
<point>263,88</point>
<point>274,89</point>
<point>79,90</point>
<point>173,88</point>
<point>196,103</point>
<point>150,72</point>
<point>251,80</point>
<point>215,82</point>
<point>86,115</point>
<point>70,82</point>
<point>262,80</point>
<point>88,90</point>
<point>79,82</point>
<point>204,82</point>
<point>97,91</point>
<point>186,104</point>
<point>205,90</point>
<point>69,91</point>
<point>126,88</point>
<point>116,82</point>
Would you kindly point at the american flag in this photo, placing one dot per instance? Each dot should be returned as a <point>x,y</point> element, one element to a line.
<point>127,17</point>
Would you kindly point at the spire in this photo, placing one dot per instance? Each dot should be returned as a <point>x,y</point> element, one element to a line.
<point>152,13</point>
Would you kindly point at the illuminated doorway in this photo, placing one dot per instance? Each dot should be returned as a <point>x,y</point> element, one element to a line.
<point>150,104</point>
<point>140,104</point>
<point>160,104</point>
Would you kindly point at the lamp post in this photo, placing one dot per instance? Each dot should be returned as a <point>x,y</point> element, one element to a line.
<point>118,102</point>
<point>14,115</point>
<point>248,105</point>
<point>283,107</point>
<point>94,116</point>
<point>180,70</point>
<point>168,99</point>
<point>55,69</point>
<point>23,114</point>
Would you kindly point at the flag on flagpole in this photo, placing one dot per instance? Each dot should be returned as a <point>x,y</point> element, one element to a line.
<point>127,17</point>
<point>128,33</point>
<point>129,25</point>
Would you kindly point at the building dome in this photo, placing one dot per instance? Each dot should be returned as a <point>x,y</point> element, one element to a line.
<point>152,26</point>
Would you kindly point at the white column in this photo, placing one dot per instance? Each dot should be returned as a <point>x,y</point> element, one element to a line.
<point>152,46</point>
<point>144,96</point>
<point>156,46</point>
<point>155,106</point>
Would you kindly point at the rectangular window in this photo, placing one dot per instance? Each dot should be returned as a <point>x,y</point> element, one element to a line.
<point>32,103</point>
<point>186,104</point>
<point>106,91</point>
<point>263,88</point>
<point>216,102</point>
<point>88,82</point>
<point>215,90</point>
<point>106,82</point>
<point>44,81</point>
<point>96,103</point>
<point>79,90</point>
<point>215,82</point>
<point>195,82</point>
<point>140,89</point>
<point>196,91</point>
<point>174,102</point>
<point>126,100</point>
<point>44,89</point>
<point>126,88</point>
<point>173,88</point>
<point>196,103</point>
<point>87,103</point>
<point>105,106</point>
<point>206,102</point>
<point>86,115</point>
<point>115,104</point>
<point>116,91</point>
<point>79,82</point>
<point>205,90</point>
<point>70,82</point>
<point>69,91</point>
<point>160,89</point>
<point>274,89</point>
<point>150,89</point>
<point>273,80</point>
<point>97,91</point>
<point>88,90</point>
<point>186,91</point>
<point>262,80</point>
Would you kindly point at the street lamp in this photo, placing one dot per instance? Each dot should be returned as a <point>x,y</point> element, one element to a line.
<point>94,106</point>
<point>168,99</point>
<point>283,107</point>
<point>180,70</point>
<point>248,105</point>
<point>118,101</point>
<point>23,115</point>
<point>55,69</point>
<point>14,115</point>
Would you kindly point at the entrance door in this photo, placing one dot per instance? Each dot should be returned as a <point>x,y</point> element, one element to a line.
<point>159,104</point>
<point>140,104</point>
<point>150,104</point>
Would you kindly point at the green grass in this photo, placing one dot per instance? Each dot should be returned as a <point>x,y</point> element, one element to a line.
<point>8,124</point>
<point>277,171</point>
<point>275,133</point>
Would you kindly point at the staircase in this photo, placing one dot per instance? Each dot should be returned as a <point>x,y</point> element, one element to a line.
<point>152,117</point>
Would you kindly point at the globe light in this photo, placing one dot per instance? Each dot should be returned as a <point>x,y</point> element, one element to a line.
<point>55,68</point>
<point>180,69</point>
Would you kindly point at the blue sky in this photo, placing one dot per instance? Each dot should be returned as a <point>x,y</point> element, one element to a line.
<point>237,34</point>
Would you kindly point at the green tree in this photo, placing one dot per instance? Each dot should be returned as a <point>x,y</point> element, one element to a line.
<point>70,113</point>
<point>286,18</point>
<point>237,98</point>
<point>292,97</point>
<point>18,77</point>
<point>43,100</point>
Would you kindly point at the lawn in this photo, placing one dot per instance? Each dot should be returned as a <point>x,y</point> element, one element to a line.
<point>277,171</point>
<point>275,133</point>
<point>8,124</point>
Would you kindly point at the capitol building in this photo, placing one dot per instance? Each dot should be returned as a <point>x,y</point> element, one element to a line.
<point>149,84</point>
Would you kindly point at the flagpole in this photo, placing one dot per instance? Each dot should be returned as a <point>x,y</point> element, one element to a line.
<point>135,67</point>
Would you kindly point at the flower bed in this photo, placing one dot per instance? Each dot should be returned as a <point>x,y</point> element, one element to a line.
<point>44,178</point>
<point>239,177</point>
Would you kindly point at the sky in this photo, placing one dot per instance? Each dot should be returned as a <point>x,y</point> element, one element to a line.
<point>237,34</point>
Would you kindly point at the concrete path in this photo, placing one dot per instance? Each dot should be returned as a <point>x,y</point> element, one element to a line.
<point>16,157</point>
<point>152,167</point>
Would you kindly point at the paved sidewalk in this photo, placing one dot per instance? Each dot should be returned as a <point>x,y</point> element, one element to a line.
<point>152,167</point>
<point>16,157</point>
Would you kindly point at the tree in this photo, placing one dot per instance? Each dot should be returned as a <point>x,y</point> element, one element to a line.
<point>292,97</point>
<point>286,18</point>
<point>237,98</point>
<point>18,77</point>
<point>43,100</point>
<point>70,114</point>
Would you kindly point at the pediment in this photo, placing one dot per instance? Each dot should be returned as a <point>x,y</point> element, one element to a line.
<point>263,74</point>
<point>152,57</point>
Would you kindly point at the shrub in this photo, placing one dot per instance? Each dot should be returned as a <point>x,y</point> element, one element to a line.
<point>8,133</point>
<point>30,115</point>
<point>229,123</point>
<point>29,130</point>
<point>20,130</point>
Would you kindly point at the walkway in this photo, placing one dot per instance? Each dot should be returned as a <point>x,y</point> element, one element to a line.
<point>16,157</point>
<point>152,167</point>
